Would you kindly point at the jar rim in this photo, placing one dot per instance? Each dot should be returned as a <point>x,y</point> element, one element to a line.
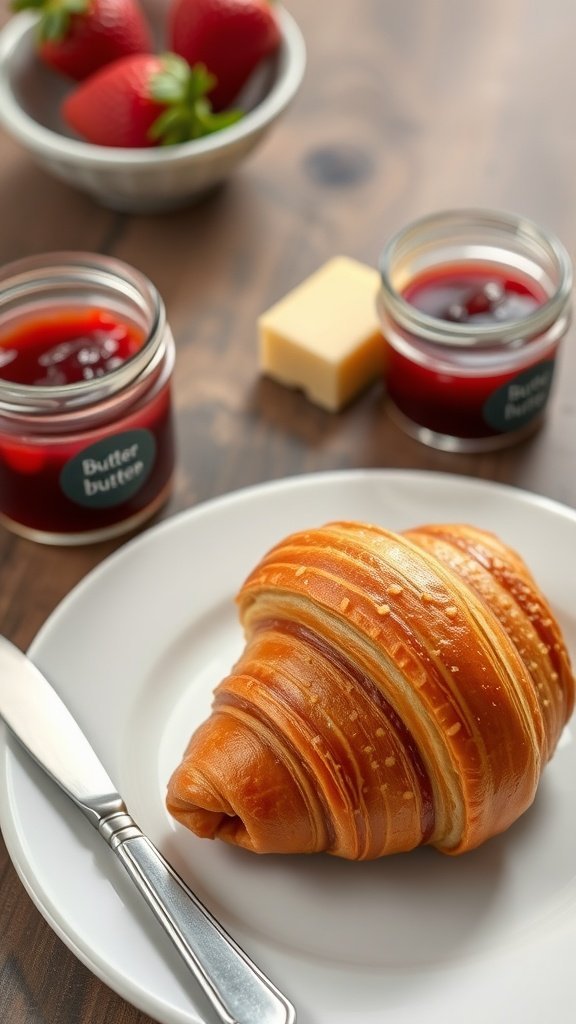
<point>20,278</point>
<point>454,334</point>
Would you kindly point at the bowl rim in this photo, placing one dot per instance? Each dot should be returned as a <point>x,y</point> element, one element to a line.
<point>47,142</point>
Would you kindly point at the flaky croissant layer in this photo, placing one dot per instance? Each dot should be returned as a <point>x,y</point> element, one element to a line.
<point>394,690</point>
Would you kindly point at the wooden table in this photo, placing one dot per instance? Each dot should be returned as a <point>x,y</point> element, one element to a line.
<point>405,109</point>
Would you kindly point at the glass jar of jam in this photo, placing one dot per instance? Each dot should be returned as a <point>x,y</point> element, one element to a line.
<point>86,435</point>
<point>473,305</point>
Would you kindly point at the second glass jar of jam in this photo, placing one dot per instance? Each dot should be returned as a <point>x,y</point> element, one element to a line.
<point>473,305</point>
<point>86,436</point>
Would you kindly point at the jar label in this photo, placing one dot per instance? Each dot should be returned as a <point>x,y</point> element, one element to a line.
<point>521,399</point>
<point>110,471</point>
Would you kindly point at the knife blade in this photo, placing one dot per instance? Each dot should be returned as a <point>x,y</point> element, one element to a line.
<point>239,992</point>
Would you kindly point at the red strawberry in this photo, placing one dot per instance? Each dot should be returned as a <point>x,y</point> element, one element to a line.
<point>144,100</point>
<point>231,37</point>
<point>76,37</point>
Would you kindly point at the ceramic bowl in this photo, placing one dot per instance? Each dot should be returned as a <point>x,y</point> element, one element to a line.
<point>137,180</point>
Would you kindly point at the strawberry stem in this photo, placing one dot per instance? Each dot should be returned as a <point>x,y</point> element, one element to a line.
<point>188,115</point>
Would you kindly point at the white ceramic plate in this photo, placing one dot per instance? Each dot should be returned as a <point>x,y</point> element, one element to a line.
<point>135,651</point>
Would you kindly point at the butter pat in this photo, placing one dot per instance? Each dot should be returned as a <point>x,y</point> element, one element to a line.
<point>324,336</point>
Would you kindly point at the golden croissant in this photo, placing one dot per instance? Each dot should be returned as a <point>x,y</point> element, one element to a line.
<point>394,690</point>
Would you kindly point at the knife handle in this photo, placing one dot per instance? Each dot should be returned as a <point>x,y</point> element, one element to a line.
<point>238,991</point>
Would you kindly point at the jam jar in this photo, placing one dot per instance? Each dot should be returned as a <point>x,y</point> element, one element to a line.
<point>86,434</point>
<point>473,304</point>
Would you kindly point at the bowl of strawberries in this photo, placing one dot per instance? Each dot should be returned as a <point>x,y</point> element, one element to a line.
<point>146,104</point>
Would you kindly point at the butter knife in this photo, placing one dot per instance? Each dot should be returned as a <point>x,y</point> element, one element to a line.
<point>236,988</point>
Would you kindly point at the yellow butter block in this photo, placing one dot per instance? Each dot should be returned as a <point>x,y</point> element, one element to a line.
<point>324,336</point>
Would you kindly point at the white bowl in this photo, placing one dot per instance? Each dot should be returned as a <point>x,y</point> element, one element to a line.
<point>136,180</point>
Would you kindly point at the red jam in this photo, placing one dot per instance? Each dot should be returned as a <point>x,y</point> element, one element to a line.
<point>474,305</point>
<point>474,294</point>
<point>461,400</point>
<point>67,347</point>
<point>81,472</point>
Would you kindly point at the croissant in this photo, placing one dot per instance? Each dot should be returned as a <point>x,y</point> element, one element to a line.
<point>394,690</point>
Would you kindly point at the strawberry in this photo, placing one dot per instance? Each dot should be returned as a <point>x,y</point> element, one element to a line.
<point>76,37</point>
<point>144,100</point>
<point>231,37</point>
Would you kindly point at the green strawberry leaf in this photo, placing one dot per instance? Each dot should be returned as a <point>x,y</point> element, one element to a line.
<point>167,89</point>
<point>54,25</point>
<point>215,122</point>
<point>176,66</point>
<point>24,5</point>
<point>201,81</point>
<point>182,90</point>
<point>55,15</point>
<point>167,123</point>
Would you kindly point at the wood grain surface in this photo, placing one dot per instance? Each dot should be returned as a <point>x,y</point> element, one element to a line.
<point>405,109</point>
